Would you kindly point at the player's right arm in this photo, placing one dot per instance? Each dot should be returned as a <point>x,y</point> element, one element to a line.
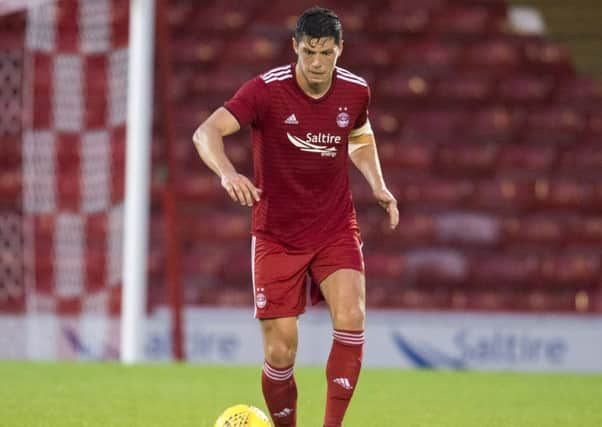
<point>209,143</point>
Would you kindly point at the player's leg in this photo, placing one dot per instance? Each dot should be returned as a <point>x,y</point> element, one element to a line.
<point>344,291</point>
<point>279,281</point>
<point>280,337</point>
<point>338,268</point>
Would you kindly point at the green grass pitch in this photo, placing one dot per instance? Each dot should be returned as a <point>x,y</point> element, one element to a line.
<point>111,395</point>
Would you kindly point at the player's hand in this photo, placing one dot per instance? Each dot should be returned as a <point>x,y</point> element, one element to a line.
<point>240,189</point>
<point>387,201</point>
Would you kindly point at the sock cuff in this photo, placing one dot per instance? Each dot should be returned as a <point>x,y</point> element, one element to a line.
<point>348,337</point>
<point>277,374</point>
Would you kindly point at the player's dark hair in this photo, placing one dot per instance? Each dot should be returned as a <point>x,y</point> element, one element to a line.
<point>318,22</point>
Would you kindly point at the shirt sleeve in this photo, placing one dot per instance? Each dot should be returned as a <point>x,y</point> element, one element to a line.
<point>362,118</point>
<point>249,103</point>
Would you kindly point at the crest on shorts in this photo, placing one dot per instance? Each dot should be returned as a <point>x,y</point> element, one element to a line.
<point>343,118</point>
<point>260,300</point>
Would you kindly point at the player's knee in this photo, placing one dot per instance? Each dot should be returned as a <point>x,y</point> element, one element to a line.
<point>349,318</point>
<point>281,353</point>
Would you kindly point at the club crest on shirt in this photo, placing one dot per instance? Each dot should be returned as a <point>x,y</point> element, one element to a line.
<point>343,118</point>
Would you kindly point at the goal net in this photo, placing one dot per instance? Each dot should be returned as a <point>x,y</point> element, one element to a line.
<point>62,157</point>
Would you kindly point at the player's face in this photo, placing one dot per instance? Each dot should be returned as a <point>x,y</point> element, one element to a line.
<point>317,58</point>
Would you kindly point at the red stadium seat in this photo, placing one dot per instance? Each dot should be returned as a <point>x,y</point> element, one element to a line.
<point>488,299</point>
<point>467,20</point>
<point>525,160</point>
<point>582,160</point>
<point>541,231</point>
<point>409,155</point>
<point>585,231</point>
<point>261,51</point>
<point>470,89</point>
<point>440,123</point>
<point>403,21</point>
<point>430,57</point>
<point>224,16</point>
<point>570,270</point>
<point>435,267</point>
<point>548,300</point>
<point>467,229</point>
<point>544,56</point>
<point>385,266</point>
<point>367,52</point>
<point>558,125</point>
<point>563,194</point>
<point>579,91</point>
<point>493,124</point>
<point>434,193</point>
<point>504,195</point>
<point>494,56</point>
<point>415,230</point>
<point>525,90</point>
<point>465,159</point>
<point>407,88</point>
<point>504,270</point>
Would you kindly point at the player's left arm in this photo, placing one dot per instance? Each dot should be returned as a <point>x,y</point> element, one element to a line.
<point>364,155</point>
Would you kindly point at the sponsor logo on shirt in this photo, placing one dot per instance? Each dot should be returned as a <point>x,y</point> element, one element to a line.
<point>291,120</point>
<point>309,144</point>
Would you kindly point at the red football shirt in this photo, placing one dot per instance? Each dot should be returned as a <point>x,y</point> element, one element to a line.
<point>300,154</point>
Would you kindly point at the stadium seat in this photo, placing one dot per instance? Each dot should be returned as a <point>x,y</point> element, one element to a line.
<point>463,89</point>
<point>526,160</point>
<point>434,193</point>
<point>569,270</point>
<point>563,194</point>
<point>385,266</point>
<point>430,56</point>
<point>406,155</point>
<point>541,231</point>
<point>435,267</point>
<point>579,92</point>
<point>585,231</point>
<point>504,195</point>
<point>506,270</point>
<point>492,124</point>
<point>467,229</point>
<point>525,90</point>
<point>409,21</point>
<point>555,125</point>
<point>434,123</point>
<point>466,159</point>
<point>495,56</point>
<point>402,87</point>
<point>545,56</point>
<point>582,160</point>
<point>469,20</point>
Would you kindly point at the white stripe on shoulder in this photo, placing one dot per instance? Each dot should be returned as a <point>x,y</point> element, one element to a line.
<point>275,74</point>
<point>356,81</point>
<point>348,73</point>
<point>278,78</point>
<point>276,70</point>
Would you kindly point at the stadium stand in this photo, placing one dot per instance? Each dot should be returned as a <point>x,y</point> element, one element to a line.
<point>486,137</point>
<point>489,139</point>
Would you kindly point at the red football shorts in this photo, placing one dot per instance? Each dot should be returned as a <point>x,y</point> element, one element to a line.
<point>281,276</point>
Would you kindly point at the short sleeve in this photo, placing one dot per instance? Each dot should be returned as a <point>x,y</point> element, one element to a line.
<point>249,103</point>
<point>362,118</point>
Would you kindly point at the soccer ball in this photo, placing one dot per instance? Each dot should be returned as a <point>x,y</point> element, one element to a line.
<point>242,416</point>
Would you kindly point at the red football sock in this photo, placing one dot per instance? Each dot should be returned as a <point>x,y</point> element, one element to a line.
<point>280,393</point>
<point>342,372</point>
